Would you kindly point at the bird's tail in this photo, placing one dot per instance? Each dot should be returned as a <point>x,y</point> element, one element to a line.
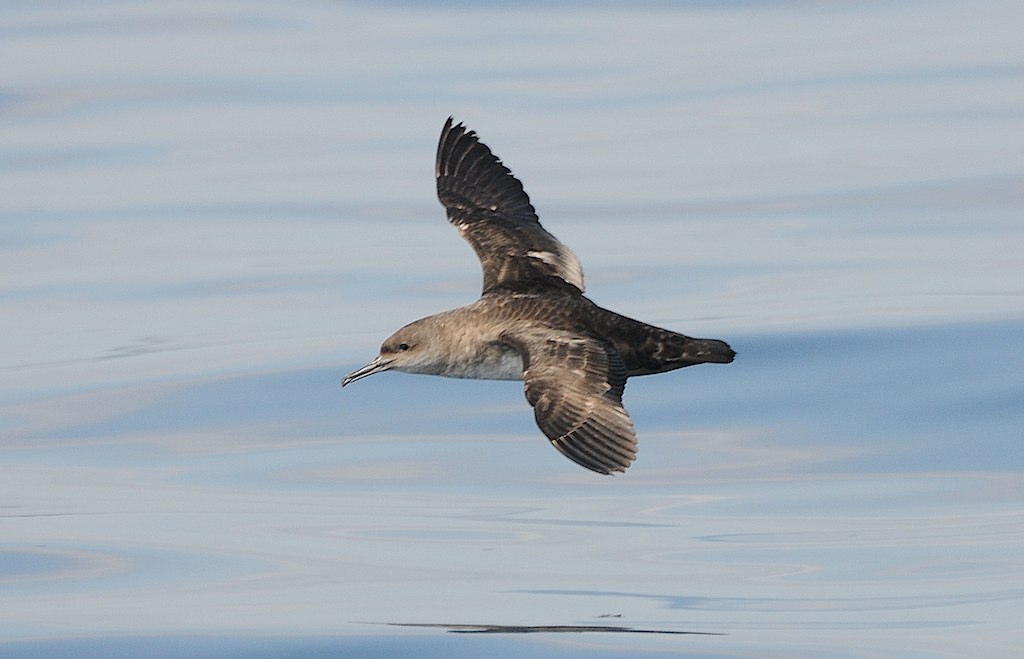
<point>710,351</point>
<point>666,351</point>
<point>648,349</point>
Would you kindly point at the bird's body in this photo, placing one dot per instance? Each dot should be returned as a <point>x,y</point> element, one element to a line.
<point>473,341</point>
<point>532,322</point>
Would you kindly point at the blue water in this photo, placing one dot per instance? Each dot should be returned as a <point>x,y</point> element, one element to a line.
<point>210,212</point>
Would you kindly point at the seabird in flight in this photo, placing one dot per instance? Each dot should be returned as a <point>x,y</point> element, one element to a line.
<point>532,321</point>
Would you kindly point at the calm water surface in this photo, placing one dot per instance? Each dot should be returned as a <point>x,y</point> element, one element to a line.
<point>209,212</point>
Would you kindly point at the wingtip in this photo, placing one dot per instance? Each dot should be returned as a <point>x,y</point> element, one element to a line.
<point>605,458</point>
<point>451,133</point>
<point>450,126</point>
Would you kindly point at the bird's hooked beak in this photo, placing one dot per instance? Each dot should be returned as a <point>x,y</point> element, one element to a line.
<point>376,366</point>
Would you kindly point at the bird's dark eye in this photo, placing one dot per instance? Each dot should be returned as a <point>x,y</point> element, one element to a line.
<point>403,346</point>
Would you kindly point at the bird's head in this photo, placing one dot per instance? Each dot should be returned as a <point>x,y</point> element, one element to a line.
<point>409,350</point>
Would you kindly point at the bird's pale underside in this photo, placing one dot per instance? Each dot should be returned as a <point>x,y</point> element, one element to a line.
<point>532,321</point>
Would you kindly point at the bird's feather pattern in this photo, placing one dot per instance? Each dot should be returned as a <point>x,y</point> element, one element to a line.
<point>575,386</point>
<point>492,211</point>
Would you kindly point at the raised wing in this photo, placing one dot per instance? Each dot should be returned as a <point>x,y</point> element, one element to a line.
<point>492,211</point>
<point>575,386</point>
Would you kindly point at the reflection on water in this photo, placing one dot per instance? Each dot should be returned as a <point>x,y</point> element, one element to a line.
<point>210,213</point>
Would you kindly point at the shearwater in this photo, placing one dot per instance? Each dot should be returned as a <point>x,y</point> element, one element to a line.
<point>532,322</point>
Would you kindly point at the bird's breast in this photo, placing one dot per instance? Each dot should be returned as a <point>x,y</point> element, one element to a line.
<point>492,361</point>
